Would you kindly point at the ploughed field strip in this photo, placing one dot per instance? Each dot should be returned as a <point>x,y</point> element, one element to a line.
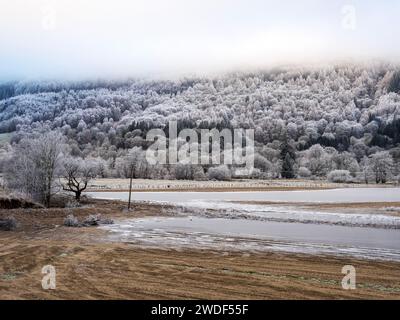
<point>104,271</point>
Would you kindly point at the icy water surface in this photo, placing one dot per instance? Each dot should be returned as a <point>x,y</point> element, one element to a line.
<point>197,232</point>
<point>332,196</point>
<point>211,220</point>
<point>220,205</point>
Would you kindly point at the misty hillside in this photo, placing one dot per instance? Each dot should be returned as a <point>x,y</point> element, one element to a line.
<point>350,111</point>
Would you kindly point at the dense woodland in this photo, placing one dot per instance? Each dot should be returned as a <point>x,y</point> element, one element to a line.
<point>340,122</point>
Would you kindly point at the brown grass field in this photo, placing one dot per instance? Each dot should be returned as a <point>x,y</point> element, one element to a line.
<point>89,267</point>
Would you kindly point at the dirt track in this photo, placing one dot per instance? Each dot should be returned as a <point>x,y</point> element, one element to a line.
<point>90,268</point>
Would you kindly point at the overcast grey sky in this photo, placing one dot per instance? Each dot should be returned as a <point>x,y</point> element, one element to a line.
<point>100,38</point>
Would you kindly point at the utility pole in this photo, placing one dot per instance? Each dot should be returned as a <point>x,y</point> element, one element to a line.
<point>130,188</point>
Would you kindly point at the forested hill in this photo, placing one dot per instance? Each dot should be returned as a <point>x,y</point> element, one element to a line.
<point>351,108</point>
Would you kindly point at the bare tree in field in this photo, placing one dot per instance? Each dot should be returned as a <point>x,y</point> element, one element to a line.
<point>33,167</point>
<point>77,173</point>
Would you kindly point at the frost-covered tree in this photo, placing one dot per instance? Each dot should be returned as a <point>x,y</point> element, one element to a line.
<point>381,164</point>
<point>339,176</point>
<point>366,170</point>
<point>34,166</point>
<point>219,173</point>
<point>354,109</point>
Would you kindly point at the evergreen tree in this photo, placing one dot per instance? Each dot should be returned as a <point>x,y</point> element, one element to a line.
<point>288,156</point>
<point>287,167</point>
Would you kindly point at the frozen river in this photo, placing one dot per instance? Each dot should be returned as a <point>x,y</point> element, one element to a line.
<point>331,195</point>
<point>212,220</point>
<point>256,236</point>
<point>226,205</point>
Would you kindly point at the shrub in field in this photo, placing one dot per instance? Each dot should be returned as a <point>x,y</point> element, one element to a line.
<point>72,204</point>
<point>198,174</point>
<point>8,224</point>
<point>339,176</point>
<point>106,221</point>
<point>92,220</point>
<point>256,174</point>
<point>304,172</point>
<point>71,221</point>
<point>220,173</point>
<point>95,220</point>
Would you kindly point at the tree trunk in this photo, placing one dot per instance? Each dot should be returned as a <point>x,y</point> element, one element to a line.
<point>78,195</point>
<point>47,200</point>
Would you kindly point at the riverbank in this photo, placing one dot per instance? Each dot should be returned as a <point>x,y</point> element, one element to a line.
<point>144,185</point>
